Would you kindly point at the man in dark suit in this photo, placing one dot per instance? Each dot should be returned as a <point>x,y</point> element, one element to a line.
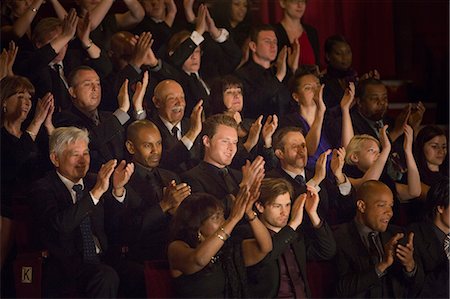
<point>375,259</point>
<point>153,197</point>
<point>431,242</point>
<point>282,273</point>
<point>68,207</point>
<point>290,148</point>
<point>264,90</point>
<point>106,129</point>
<point>213,175</point>
<point>181,147</point>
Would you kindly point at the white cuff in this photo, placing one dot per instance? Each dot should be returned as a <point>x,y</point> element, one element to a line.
<point>223,35</point>
<point>187,142</point>
<point>197,38</point>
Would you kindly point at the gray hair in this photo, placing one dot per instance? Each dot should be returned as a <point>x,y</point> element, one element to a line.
<point>62,136</point>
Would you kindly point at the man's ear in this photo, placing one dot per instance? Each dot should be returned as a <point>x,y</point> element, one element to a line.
<point>54,159</point>
<point>206,141</point>
<point>72,92</point>
<point>259,207</point>
<point>279,153</point>
<point>252,46</point>
<point>130,147</point>
<point>361,206</point>
<point>156,102</point>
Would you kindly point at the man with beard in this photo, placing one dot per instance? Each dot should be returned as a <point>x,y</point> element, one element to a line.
<point>68,207</point>
<point>375,259</point>
<point>179,135</point>
<point>282,273</point>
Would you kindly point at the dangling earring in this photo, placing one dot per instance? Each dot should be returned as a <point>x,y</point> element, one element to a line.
<point>4,109</point>
<point>199,236</point>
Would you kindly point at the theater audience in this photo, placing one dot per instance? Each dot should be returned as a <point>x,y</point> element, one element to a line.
<point>204,258</point>
<point>181,145</point>
<point>264,91</point>
<point>68,206</point>
<point>106,129</point>
<point>375,259</point>
<point>431,239</point>
<point>291,30</point>
<point>282,273</point>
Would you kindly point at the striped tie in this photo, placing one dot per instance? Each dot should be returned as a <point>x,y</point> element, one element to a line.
<point>447,246</point>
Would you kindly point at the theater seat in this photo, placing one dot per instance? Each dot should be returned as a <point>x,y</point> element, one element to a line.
<point>158,281</point>
<point>321,278</point>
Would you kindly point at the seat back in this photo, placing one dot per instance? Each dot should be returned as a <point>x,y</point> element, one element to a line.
<point>158,281</point>
<point>321,278</point>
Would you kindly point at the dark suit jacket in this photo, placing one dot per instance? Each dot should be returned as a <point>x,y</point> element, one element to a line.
<point>175,156</point>
<point>107,139</point>
<point>435,264</point>
<point>357,275</point>
<point>139,221</point>
<point>264,277</point>
<point>206,178</point>
<point>59,220</point>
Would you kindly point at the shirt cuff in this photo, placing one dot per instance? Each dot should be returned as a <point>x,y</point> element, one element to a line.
<point>187,142</point>
<point>312,184</point>
<point>223,35</point>
<point>123,117</point>
<point>94,200</point>
<point>412,273</point>
<point>379,273</point>
<point>120,198</point>
<point>345,187</point>
<point>139,116</point>
<point>197,38</point>
<point>157,67</point>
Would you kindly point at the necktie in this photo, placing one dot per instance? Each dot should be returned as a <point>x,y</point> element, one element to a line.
<point>447,246</point>
<point>374,249</point>
<point>94,118</point>
<point>59,70</point>
<point>200,83</point>
<point>89,253</point>
<point>155,186</point>
<point>229,183</point>
<point>300,179</point>
<point>175,132</point>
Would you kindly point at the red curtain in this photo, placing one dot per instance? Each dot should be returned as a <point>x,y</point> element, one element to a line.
<point>366,24</point>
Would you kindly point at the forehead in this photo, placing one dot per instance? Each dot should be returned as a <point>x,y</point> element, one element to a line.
<point>372,89</point>
<point>293,137</point>
<point>380,195</point>
<point>282,199</point>
<point>340,46</point>
<point>266,34</point>
<point>307,79</point>
<point>86,75</point>
<point>79,144</point>
<point>437,139</point>
<point>169,88</point>
<point>368,143</point>
<point>223,131</point>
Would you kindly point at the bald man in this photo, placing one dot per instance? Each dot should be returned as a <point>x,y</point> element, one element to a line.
<point>375,259</point>
<point>181,149</point>
<point>153,196</point>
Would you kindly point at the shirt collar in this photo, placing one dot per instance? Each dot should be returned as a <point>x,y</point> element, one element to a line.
<point>293,175</point>
<point>169,126</point>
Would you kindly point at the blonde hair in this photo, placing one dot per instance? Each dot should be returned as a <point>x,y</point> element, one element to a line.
<point>355,144</point>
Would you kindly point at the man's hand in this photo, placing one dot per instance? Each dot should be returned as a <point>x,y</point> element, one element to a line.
<point>389,251</point>
<point>211,26</point>
<point>173,195</point>
<point>102,184</point>
<point>321,168</point>
<point>311,205</point>
<point>405,254</point>
<point>139,93</point>
<point>201,25</point>
<point>196,122</point>
<point>400,122</point>
<point>297,211</point>
<point>293,56</point>
<point>253,134</point>
<point>281,64</point>
<point>269,129</point>
<point>123,98</point>
<point>251,171</point>
<point>69,25</point>
<point>121,176</point>
<point>337,163</point>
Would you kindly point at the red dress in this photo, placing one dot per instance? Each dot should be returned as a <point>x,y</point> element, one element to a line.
<point>306,50</point>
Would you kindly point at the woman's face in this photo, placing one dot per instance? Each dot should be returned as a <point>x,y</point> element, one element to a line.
<point>435,151</point>
<point>340,56</point>
<point>308,88</point>
<point>212,224</point>
<point>238,11</point>
<point>19,7</point>
<point>295,9</point>
<point>233,99</point>
<point>17,106</point>
<point>368,155</point>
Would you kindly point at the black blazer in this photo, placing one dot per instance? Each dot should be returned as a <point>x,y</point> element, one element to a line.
<point>139,221</point>
<point>264,277</point>
<point>59,219</point>
<point>107,140</point>
<point>435,264</point>
<point>357,275</point>
<point>205,178</point>
<point>175,156</point>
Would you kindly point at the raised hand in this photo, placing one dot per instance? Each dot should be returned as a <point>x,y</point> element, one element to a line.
<point>416,116</point>
<point>321,167</point>
<point>143,53</point>
<point>297,211</point>
<point>139,93</point>
<point>188,6</point>
<point>121,176</point>
<point>254,191</point>
<point>201,25</point>
<point>293,56</point>
<point>173,195</point>
<point>405,254</point>
<point>11,58</point>
<point>347,100</point>
<point>196,121</point>
<point>400,122</point>
<point>69,24</point>
<point>269,129</point>
<point>409,136</point>
<point>211,26</point>
<point>240,203</point>
<point>337,164</point>
<point>389,252</point>
<point>123,98</point>
<point>312,202</point>
<point>281,64</point>
<point>319,100</point>
<point>84,29</point>
<point>384,140</point>
<point>103,176</point>
<point>253,134</point>
<point>251,171</point>
<point>48,122</point>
